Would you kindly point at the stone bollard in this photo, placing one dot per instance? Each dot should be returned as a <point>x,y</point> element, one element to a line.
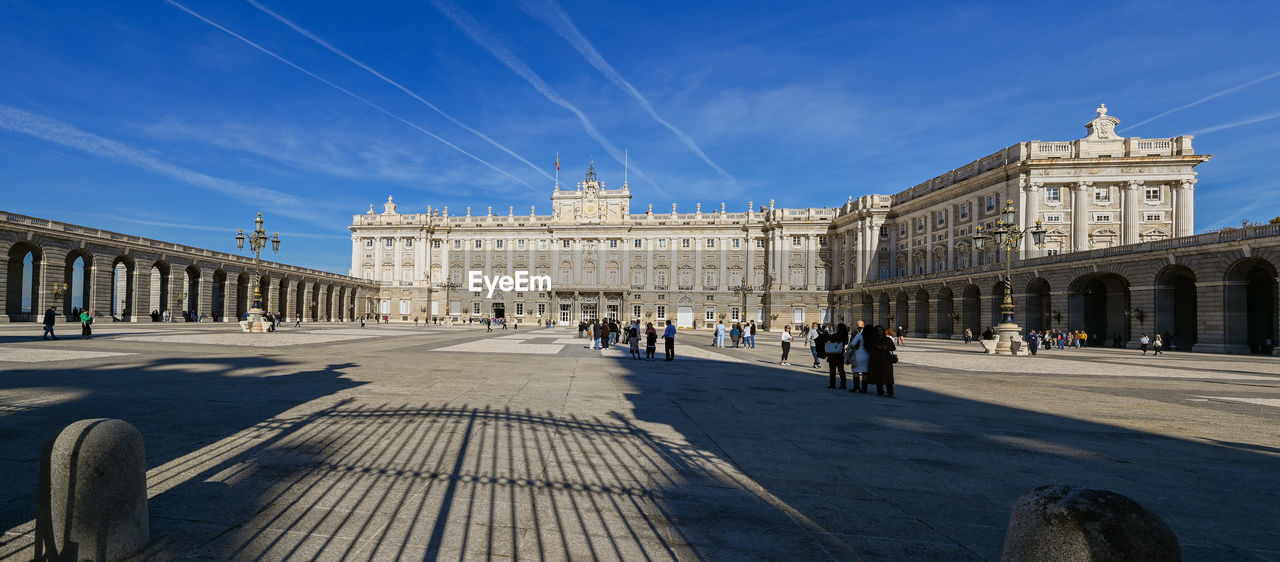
<point>93,493</point>
<point>1066,523</point>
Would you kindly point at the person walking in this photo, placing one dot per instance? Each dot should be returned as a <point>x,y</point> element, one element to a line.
<point>786,343</point>
<point>751,335</point>
<point>593,334</point>
<point>880,359</point>
<point>669,341</point>
<point>735,334</point>
<point>605,334</point>
<point>1143,342</point>
<point>856,357</point>
<point>50,320</point>
<point>901,336</point>
<point>650,341</point>
<point>633,339</point>
<point>720,334</point>
<point>1033,341</point>
<point>86,320</point>
<point>968,335</point>
<point>1158,345</point>
<point>833,347</point>
<point>811,339</point>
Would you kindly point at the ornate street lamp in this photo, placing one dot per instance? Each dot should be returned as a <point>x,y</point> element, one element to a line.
<point>1007,235</point>
<point>448,285</point>
<point>743,289</point>
<point>257,242</point>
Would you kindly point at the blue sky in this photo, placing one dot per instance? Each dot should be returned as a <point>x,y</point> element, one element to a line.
<point>152,118</point>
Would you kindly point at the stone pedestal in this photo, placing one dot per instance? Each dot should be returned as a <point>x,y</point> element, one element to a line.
<point>1010,340</point>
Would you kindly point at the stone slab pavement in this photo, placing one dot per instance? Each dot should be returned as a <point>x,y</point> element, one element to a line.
<point>392,442</point>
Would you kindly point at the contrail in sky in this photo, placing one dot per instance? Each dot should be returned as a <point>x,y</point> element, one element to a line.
<point>1234,124</point>
<point>552,16</point>
<point>1204,99</point>
<point>494,45</point>
<point>67,135</point>
<point>398,86</point>
<point>349,93</point>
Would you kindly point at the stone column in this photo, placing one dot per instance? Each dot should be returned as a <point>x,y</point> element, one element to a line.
<point>139,305</point>
<point>1184,222</point>
<point>1130,201</point>
<point>204,304</point>
<point>1031,214</point>
<point>1080,216</point>
<point>51,269</point>
<point>231,295</point>
<point>291,296</point>
<point>177,284</point>
<point>99,298</point>
<point>356,245</point>
<point>5,247</point>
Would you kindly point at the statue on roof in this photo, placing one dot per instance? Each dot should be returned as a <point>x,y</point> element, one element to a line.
<point>1103,127</point>
<point>389,208</point>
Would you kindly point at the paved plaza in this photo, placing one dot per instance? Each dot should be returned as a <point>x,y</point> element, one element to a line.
<point>399,442</point>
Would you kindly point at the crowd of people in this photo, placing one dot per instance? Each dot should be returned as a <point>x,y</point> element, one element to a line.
<point>607,332</point>
<point>865,354</point>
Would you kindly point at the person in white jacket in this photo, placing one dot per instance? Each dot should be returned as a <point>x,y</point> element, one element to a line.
<point>786,343</point>
<point>855,354</point>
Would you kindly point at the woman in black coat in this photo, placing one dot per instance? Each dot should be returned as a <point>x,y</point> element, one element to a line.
<point>880,349</point>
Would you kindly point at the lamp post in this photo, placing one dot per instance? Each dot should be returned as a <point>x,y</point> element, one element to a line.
<point>744,290</point>
<point>1007,235</point>
<point>257,242</point>
<point>448,285</point>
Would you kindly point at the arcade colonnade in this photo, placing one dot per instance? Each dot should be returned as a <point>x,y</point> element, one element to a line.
<point>1214,292</point>
<point>129,277</point>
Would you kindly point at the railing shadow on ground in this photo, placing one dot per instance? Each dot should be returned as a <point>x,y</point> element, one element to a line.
<point>204,400</point>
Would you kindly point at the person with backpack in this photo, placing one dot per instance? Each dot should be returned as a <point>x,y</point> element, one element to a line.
<point>832,347</point>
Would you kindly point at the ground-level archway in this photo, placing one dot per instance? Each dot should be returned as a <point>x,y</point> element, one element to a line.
<point>946,313</point>
<point>23,287</point>
<point>1251,306</point>
<point>1175,307</point>
<point>971,310</point>
<point>1038,305</point>
<point>901,321</point>
<point>1099,303</point>
<point>921,328</point>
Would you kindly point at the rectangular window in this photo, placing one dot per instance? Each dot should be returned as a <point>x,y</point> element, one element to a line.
<point>1101,195</point>
<point>519,244</point>
<point>519,309</point>
<point>390,243</point>
<point>1153,193</point>
<point>902,230</point>
<point>737,243</point>
<point>662,312</point>
<point>475,308</point>
<point>797,241</point>
<point>991,203</point>
<point>1053,217</point>
<point>498,244</point>
<point>662,243</point>
<point>408,242</point>
<point>964,211</point>
<point>685,243</point>
<point>942,218</point>
<point>404,307</point>
<point>479,244</point>
<point>635,311</point>
<point>542,244</point>
<point>735,314</point>
<point>542,309</point>
<point>368,242</point>
<point>1154,217</point>
<point>613,243</point>
<point>457,244</point>
<point>1053,194</point>
<point>797,315</point>
<point>710,314</point>
<point>435,244</point>
<point>637,243</point>
<point>1102,218</point>
<point>759,242</point>
<point>711,243</point>
<point>565,243</point>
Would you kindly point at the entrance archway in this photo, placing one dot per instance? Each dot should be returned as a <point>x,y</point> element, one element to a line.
<point>1175,313</point>
<point>1251,306</point>
<point>946,313</point>
<point>922,314</point>
<point>22,291</point>
<point>1098,303</point>
<point>868,310</point>
<point>902,314</point>
<point>122,285</point>
<point>159,301</point>
<point>971,310</point>
<point>219,294</point>
<point>192,303</point>
<point>1039,305</point>
<point>79,283</point>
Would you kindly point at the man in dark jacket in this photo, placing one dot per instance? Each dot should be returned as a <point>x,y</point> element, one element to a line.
<point>50,318</point>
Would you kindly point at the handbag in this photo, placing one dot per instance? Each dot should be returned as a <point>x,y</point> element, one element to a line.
<point>893,357</point>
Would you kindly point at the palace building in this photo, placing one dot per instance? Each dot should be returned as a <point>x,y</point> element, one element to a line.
<point>768,264</point>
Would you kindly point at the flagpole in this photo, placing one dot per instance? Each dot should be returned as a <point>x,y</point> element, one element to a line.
<point>626,164</point>
<point>557,170</point>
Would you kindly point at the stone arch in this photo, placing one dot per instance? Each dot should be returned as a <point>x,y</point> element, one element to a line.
<point>971,310</point>
<point>265,282</point>
<point>1038,305</point>
<point>921,328</point>
<point>219,293</point>
<point>23,300</point>
<point>123,299</point>
<point>946,313</point>
<point>244,283</point>
<point>1251,305</point>
<point>901,313</point>
<point>1175,307</point>
<point>160,282</point>
<point>283,301</point>
<point>79,281</point>
<point>1098,303</point>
